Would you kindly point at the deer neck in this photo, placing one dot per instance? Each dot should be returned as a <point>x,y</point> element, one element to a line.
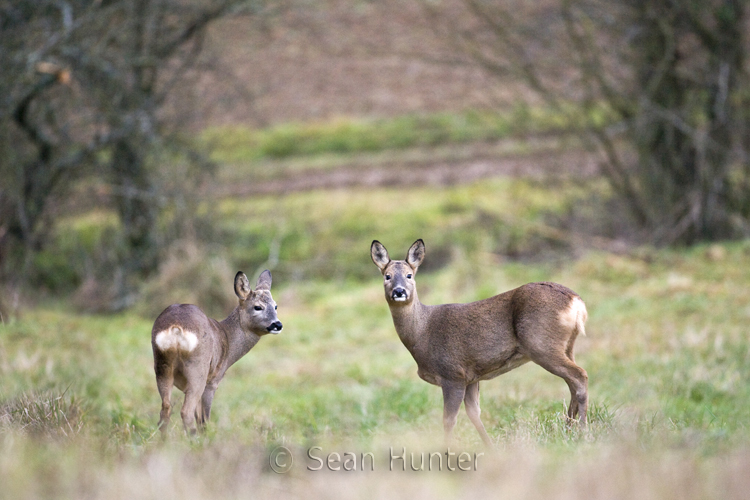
<point>408,319</point>
<point>238,341</point>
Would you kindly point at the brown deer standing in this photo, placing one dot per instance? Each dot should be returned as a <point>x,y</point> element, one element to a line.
<point>193,351</point>
<point>458,345</point>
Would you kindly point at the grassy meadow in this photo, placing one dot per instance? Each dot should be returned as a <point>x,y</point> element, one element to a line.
<point>666,350</point>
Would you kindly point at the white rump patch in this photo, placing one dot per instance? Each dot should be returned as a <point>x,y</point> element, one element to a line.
<point>175,338</point>
<point>574,316</point>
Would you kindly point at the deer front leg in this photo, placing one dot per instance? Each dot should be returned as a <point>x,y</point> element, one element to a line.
<point>206,401</point>
<point>453,394</point>
<point>471,403</point>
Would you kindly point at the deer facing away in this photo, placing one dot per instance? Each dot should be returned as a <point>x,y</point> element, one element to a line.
<point>193,351</point>
<point>458,345</point>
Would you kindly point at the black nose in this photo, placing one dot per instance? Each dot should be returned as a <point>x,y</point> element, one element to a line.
<point>398,293</point>
<point>276,326</point>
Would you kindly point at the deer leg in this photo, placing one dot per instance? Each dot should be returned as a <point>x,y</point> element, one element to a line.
<point>453,394</point>
<point>196,376</point>
<point>206,400</point>
<point>577,380</point>
<point>164,382</point>
<point>199,415</point>
<point>190,409</point>
<point>573,408</point>
<point>166,409</point>
<point>471,403</point>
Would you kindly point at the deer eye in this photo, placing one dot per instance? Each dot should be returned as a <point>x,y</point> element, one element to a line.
<point>275,307</point>
<point>408,276</point>
<point>387,276</point>
<point>258,308</point>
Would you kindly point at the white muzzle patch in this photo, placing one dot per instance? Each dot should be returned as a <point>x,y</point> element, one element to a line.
<point>175,338</point>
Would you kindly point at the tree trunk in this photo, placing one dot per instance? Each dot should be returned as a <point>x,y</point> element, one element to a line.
<point>136,206</point>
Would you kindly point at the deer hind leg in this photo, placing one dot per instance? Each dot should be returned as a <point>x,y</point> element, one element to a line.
<point>164,382</point>
<point>471,403</point>
<point>577,380</point>
<point>575,401</point>
<point>453,394</point>
<point>191,408</point>
<point>195,372</point>
<point>166,409</point>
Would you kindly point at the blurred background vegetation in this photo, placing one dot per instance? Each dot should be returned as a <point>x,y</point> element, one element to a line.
<point>129,127</point>
<point>149,149</point>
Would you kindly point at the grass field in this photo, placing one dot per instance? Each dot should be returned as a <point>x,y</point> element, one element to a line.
<point>231,144</point>
<point>666,350</point>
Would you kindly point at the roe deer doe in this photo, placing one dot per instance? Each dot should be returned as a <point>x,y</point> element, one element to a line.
<point>193,351</point>
<point>458,345</point>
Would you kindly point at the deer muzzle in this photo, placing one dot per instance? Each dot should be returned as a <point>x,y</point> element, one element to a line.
<point>399,294</point>
<point>275,327</point>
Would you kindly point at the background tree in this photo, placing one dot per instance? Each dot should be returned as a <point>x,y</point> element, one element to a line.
<point>671,78</point>
<point>84,86</point>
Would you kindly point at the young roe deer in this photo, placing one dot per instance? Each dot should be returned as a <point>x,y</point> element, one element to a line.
<point>193,351</point>
<point>458,345</point>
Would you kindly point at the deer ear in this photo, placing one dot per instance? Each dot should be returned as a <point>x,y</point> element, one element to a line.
<point>264,281</point>
<point>242,286</point>
<point>415,255</point>
<point>379,255</point>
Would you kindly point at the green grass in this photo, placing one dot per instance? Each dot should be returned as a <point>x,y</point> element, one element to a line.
<point>236,144</point>
<point>666,350</point>
<point>666,353</point>
<point>323,234</point>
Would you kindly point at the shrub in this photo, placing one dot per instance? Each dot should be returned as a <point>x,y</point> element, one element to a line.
<point>190,273</point>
